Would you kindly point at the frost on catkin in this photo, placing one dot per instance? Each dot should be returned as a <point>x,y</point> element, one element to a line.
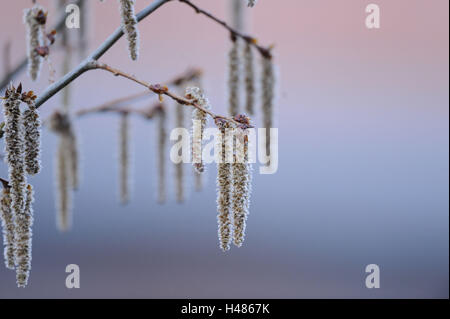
<point>233,79</point>
<point>23,235</point>
<point>34,19</point>
<point>199,120</point>
<point>268,91</point>
<point>7,221</point>
<point>124,158</point>
<point>241,170</point>
<point>129,26</point>
<point>249,78</point>
<point>32,138</point>
<point>161,144</point>
<point>224,188</point>
<point>14,148</point>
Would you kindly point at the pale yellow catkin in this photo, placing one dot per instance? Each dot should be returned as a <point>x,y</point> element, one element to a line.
<point>7,221</point>
<point>199,120</point>
<point>14,148</point>
<point>241,171</point>
<point>224,189</point>
<point>34,39</point>
<point>129,27</point>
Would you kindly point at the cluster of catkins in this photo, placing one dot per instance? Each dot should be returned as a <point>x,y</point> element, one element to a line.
<point>66,167</point>
<point>234,177</point>
<point>22,149</point>
<point>35,19</point>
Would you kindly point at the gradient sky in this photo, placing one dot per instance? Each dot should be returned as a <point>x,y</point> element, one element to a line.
<point>363,160</point>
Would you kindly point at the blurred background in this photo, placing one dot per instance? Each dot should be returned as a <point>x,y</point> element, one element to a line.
<point>363,159</point>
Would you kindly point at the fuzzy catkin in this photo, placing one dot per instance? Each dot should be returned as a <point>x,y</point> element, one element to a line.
<point>14,148</point>
<point>268,91</point>
<point>124,158</point>
<point>199,120</point>
<point>249,78</point>
<point>7,221</point>
<point>34,40</point>
<point>32,138</point>
<point>241,192</point>
<point>224,189</point>
<point>129,26</point>
<point>233,79</point>
<point>162,140</point>
<point>23,235</point>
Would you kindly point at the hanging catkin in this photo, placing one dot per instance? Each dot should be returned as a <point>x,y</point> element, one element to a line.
<point>241,188</point>
<point>179,173</point>
<point>14,148</point>
<point>268,89</point>
<point>7,222</point>
<point>32,127</point>
<point>129,26</point>
<point>124,158</point>
<point>199,120</point>
<point>233,78</point>
<point>23,235</point>
<point>161,144</point>
<point>61,125</point>
<point>249,78</point>
<point>224,188</point>
<point>63,197</point>
<point>34,19</point>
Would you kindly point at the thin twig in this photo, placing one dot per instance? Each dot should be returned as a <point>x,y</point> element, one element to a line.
<point>265,51</point>
<point>189,75</point>
<point>160,90</point>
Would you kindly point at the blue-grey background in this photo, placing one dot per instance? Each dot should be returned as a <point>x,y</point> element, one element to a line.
<point>363,152</point>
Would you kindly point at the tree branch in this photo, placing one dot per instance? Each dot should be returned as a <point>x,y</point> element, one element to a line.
<point>264,51</point>
<point>160,90</point>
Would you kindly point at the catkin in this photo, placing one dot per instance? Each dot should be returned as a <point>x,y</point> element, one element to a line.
<point>268,89</point>
<point>200,120</point>
<point>124,158</point>
<point>162,140</point>
<point>7,222</point>
<point>66,168</point>
<point>224,188</point>
<point>233,78</point>
<point>179,172</point>
<point>241,171</point>
<point>34,39</point>
<point>129,26</point>
<point>63,198</point>
<point>23,235</point>
<point>32,127</point>
<point>14,148</point>
<point>249,78</point>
